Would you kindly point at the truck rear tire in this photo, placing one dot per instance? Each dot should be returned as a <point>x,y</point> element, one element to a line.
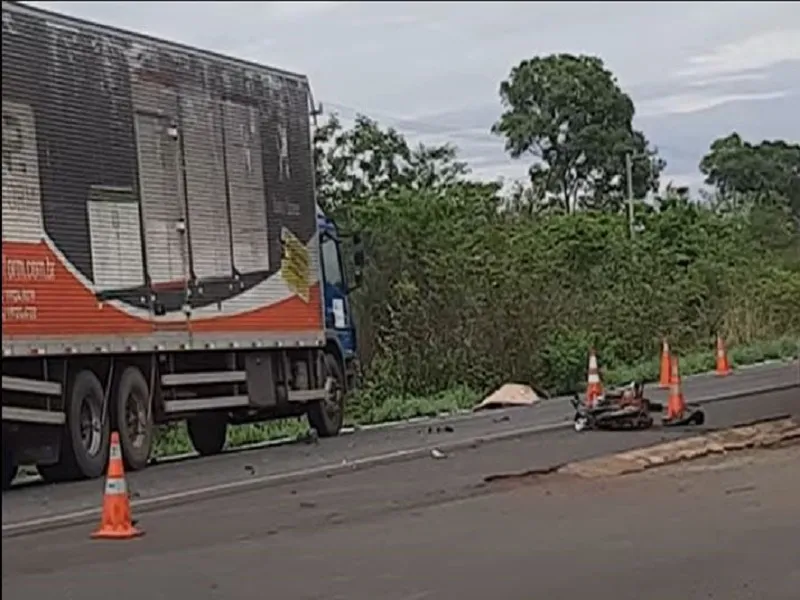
<point>327,416</point>
<point>208,431</point>
<point>85,439</point>
<point>134,418</point>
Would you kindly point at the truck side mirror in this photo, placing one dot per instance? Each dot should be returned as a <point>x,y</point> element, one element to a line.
<point>358,260</point>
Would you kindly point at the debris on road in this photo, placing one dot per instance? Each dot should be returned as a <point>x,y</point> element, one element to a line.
<point>309,437</point>
<point>627,407</point>
<point>441,429</point>
<point>624,408</point>
<point>436,453</point>
<point>509,395</point>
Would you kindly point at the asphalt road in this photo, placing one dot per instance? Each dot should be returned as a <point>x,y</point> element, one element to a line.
<point>434,529</point>
<point>268,466</point>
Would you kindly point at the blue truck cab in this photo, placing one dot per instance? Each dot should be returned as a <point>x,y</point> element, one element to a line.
<point>339,324</point>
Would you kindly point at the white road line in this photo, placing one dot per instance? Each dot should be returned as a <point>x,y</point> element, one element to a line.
<point>166,500</point>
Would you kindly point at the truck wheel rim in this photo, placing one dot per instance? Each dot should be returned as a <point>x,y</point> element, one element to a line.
<point>332,397</point>
<point>91,425</point>
<point>135,420</point>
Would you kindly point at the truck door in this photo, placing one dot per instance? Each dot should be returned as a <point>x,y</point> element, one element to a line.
<point>338,317</point>
<point>163,219</point>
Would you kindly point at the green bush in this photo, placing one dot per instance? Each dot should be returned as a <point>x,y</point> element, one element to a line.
<point>459,293</point>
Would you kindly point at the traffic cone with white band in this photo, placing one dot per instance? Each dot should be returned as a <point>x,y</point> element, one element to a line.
<point>116,522</point>
<point>594,387</point>
<point>676,404</point>
<point>723,366</point>
<point>664,375</point>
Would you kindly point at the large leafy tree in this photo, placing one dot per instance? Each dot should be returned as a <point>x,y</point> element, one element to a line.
<point>369,161</point>
<point>745,174</point>
<point>570,115</point>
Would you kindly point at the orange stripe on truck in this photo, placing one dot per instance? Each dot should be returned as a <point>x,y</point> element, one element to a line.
<point>42,298</point>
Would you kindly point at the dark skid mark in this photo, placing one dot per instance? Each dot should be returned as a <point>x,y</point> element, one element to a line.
<point>740,490</point>
<point>522,475</point>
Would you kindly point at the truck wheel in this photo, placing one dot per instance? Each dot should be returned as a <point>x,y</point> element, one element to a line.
<point>327,416</point>
<point>9,468</point>
<point>208,432</point>
<point>85,439</point>
<point>134,419</point>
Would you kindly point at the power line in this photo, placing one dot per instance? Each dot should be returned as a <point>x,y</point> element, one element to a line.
<point>473,136</point>
<point>419,127</point>
<point>426,128</point>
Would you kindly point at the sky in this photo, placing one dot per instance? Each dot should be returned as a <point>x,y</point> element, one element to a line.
<point>696,71</point>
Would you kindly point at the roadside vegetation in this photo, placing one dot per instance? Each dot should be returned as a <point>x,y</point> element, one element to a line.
<point>468,286</point>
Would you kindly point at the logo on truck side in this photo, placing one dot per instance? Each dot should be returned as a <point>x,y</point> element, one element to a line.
<point>295,265</point>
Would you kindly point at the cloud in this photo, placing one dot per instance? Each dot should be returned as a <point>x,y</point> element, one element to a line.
<point>756,52</point>
<point>694,102</point>
<point>694,180</point>
<point>300,10</point>
<point>696,70</point>
<point>725,80</point>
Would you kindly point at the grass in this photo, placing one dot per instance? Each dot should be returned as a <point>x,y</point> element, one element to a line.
<point>173,440</point>
<point>704,361</point>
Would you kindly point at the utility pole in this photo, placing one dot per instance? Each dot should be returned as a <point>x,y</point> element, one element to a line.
<point>629,158</point>
<point>629,176</point>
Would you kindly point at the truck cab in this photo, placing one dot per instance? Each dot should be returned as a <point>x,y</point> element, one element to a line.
<point>336,288</point>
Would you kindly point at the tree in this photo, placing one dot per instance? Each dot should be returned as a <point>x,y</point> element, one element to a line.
<point>569,113</point>
<point>368,161</point>
<point>762,174</point>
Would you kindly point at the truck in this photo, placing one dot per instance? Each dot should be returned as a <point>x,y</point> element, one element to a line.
<point>164,256</point>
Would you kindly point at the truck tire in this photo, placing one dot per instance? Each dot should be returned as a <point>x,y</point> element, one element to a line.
<point>134,418</point>
<point>327,416</point>
<point>9,468</point>
<point>207,431</point>
<point>85,439</point>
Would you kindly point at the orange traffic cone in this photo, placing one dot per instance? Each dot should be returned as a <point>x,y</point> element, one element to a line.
<point>116,520</point>
<point>594,387</point>
<point>676,405</point>
<point>723,367</point>
<point>665,375</point>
